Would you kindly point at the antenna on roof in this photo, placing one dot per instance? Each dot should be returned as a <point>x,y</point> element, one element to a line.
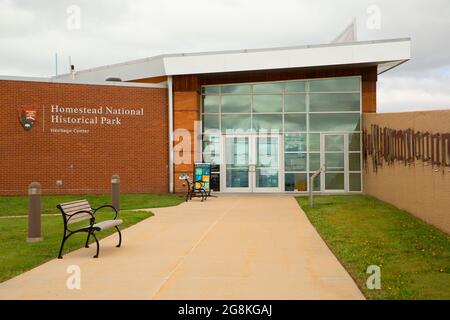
<point>348,35</point>
<point>72,68</point>
<point>56,64</point>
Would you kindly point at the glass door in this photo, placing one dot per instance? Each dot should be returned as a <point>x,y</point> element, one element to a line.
<point>333,156</point>
<point>266,166</point>
<point>252,163</point>
<point>237,162</point>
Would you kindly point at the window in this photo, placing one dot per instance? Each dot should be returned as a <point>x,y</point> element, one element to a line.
<point>211,122</point>
<point>211,104</point>
<point>300,109</point>
<point>295,103</point>
<point>330,102</point>
<point>267,122</point>
<point>268,88</point>
<point>294,142</point>
<point>294,122</point>
<point>336,122</point>
<point>236,122</point>
<point>236,104</point>
<point>267,103</point>
<point>295,86</point>
<point>335,85</point>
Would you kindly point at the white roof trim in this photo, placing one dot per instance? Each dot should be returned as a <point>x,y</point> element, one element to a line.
<point>384,53</point>
<point>78,81</point>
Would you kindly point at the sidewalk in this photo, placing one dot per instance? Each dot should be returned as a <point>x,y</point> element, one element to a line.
<point>231,247</point>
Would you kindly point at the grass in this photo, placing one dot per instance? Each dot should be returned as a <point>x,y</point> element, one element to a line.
<point>414,257</point>
<point>18,205</point>
<point>18,256</point>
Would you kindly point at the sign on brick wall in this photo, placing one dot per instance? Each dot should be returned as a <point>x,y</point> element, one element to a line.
<point>62,119</point>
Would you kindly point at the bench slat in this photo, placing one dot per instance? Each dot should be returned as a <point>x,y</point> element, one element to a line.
<point>74,204</point>
<point>69,208</point>
<point>75,207</point>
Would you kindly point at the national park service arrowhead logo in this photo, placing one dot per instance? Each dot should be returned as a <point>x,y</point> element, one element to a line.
<point>27,116</point>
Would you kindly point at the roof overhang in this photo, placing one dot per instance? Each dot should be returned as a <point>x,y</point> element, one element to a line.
<point>385,54</point>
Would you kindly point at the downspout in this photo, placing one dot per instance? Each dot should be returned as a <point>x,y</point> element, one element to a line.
<point>170,93</point>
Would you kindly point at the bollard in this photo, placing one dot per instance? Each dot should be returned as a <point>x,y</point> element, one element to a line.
<point>34,212</point>
<point>115,191</point>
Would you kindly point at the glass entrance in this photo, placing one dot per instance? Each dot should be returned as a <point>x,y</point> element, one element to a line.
<point>333,157</point>
<point>267,164</point>
<point>252,163</point>
<point>237,163</point>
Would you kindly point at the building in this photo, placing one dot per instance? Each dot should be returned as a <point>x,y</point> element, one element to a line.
<point>266,119</point>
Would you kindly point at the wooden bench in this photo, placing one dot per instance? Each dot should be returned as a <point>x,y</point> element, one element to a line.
<point>76,211</point>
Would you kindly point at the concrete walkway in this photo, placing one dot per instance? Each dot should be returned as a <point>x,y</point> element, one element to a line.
<point>231,247</point>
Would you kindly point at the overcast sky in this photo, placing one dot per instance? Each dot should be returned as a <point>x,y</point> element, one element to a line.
<point>111,31</point>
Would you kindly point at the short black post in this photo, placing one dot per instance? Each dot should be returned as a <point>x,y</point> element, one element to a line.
<point>34,212</point>
<point>115,191</point>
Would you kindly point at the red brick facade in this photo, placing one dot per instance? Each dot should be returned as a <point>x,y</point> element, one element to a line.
<point>136,149</point>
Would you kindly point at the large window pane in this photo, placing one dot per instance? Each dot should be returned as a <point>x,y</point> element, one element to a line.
<point>295,86</point>
<point>267,152</point>
<point>268,88</point>
<point>235,122</point>
<point>297,182</point>
<point>211,149</point>
<point>337,84</point>
<point>334,181</point>
<point>211,90</point>
<point>354,142</point>
<point>295,142</point>
<point>314,142</point>
<point>294,122</point>
<point>211,104</point>
<point>267,103</point>
<point>267,122</point>
<point>334,143</point>
<point>314,161</point>
<point>210,122</point>
<point>213,158</point>
<point>316,182</point>
<point>327,102</point>
<point>355,181</point>
<point>295,103</point>
<point>237,177</point>
<point>334,122</point>
<point>211,144</point>
<point>234,89</point>
<point>266,178</point>
<point>236,104</point>
<point>334,161</point>
<point>295,162</point>
<point>354,162</point>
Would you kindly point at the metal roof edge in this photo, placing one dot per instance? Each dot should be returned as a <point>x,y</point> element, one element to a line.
<point>163,56</point>
<point>70,81</point>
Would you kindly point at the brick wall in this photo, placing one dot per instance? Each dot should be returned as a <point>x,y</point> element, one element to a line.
<point>137,149</point>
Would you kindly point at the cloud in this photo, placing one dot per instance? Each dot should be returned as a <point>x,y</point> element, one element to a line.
<point>401,93</point>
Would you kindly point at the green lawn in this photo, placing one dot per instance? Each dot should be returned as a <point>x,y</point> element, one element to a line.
<point>18,205</point>
<point>361,231</point>
<point>17,256</point>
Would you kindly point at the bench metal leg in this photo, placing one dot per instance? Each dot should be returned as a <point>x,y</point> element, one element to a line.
<point>87,240</point>
<point>98,246</point>
<point>120,237</point>
<point>62,246</point>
